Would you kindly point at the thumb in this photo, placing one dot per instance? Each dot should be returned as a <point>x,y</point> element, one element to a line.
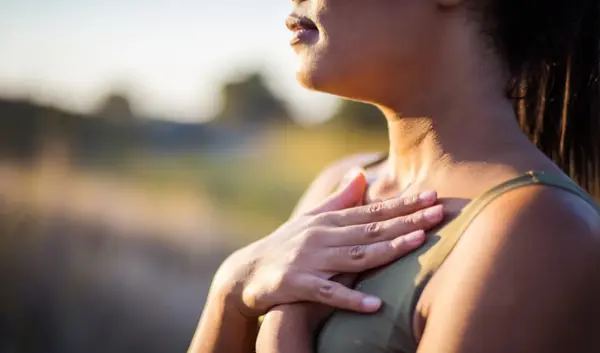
<point>349,194</point>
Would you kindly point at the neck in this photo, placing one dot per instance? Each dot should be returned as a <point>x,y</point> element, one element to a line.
<point>465,119</point>
<point>439,141</point>
<point>454,111</point>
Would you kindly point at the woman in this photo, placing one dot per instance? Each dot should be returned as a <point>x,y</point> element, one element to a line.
<point>517,266</point>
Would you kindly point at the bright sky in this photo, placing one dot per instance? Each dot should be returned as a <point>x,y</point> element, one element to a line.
<point>172,55</point>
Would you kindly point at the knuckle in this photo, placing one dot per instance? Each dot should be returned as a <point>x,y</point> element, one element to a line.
<point>357,252</point>
<point>284,280</point>
<point>397,244</point>
<point>294,256</point>
<point>376,209</point>
<point>412,200</point>
<point>372,230</point>
<point>416,218</point>
<point>278,282</point>
<point>313,233</point>
<point>325,291</point>
<point>322,218</point>
<point>388,248</point>
<point>338,296</point>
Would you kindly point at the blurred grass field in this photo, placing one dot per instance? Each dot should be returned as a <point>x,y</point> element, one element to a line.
<point>242,197</point>
<point>256,193</point>
<point>132,246</point>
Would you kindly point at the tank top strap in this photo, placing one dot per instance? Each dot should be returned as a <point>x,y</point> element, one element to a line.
<point>451,233</point>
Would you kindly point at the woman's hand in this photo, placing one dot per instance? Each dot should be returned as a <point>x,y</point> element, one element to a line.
<point>297,261</point>
<point>294,325</point>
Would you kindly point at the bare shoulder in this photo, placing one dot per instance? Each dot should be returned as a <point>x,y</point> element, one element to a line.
<point>551,218</point>
<point>329,178</point>
<point>546,229</point>
<point>523,278</point>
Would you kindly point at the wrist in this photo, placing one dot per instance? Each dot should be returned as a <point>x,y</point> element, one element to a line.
<point>300,314</point>
<point>283,327</point>
<point>228,282</point>
<point>228,276</point>
<point>227,299</point>
<point>222,327</point>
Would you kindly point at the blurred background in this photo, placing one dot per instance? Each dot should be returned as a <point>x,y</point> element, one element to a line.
<point>140,143</point>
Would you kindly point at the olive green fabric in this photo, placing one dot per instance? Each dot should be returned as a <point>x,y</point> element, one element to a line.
<point>399,284</point>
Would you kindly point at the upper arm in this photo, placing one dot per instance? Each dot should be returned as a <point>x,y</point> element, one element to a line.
<point>524,278</point>
<point>328,180</point>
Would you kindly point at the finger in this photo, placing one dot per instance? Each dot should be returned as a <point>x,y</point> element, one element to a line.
<point>359,258</point>
<point>370,233</point>
<point>384,210</point>
<point>349,195</point>
<point>316,289</point>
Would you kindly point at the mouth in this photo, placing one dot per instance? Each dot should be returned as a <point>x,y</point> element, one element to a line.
<point>304,30</point>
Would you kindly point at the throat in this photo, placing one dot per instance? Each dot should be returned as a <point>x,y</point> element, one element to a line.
<point>379,190</point>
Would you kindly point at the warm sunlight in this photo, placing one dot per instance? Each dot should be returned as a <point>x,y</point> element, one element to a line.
<point>170,56</point>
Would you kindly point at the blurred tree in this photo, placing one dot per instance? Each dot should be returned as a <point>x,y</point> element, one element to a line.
<point>20,130</point>
<point>116,106</point>
<point>357,115</point>
<point>251,101</point>
<point>108,140</point>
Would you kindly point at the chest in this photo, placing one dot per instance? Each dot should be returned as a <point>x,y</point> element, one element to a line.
<point>391,329</point>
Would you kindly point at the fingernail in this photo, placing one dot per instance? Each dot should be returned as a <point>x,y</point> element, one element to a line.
<point>415,238</point>
<point>371,303</point>
<point>428,196</point>
<point>434,214</point>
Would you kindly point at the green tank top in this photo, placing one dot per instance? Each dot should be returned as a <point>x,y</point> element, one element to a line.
<point>400,284</point>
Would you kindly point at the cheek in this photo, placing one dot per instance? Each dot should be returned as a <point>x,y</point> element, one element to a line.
<point>347,61</point>
<point>329,63</point>
<point>360,47</point>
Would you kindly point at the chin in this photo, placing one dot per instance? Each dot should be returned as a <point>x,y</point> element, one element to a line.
<point>309,72</point>
<point>321,76</point>
<point>333,83</point>
<point>308,79</point>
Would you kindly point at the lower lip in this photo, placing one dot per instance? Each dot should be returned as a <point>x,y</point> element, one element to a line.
<point>304,36</point>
